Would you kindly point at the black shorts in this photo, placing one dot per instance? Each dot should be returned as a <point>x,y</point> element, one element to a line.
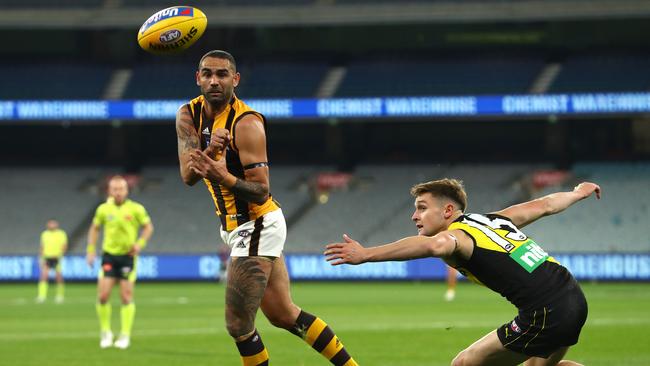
<point>542,331</point>
<point>52,262</point>
<point>117,266</point>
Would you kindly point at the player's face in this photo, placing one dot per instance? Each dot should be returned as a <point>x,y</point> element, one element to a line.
<point>217,80</point>
<point>52,225</point>
<point>429,215</point>
<point>118,189</point>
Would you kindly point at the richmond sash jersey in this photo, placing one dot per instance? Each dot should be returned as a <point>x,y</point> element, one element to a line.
<point>231,209</point>
<point>508,262</point>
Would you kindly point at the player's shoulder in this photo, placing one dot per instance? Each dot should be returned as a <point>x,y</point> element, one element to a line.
<point>135,205</point>
<point>188,108</point>
<point>104,205</point>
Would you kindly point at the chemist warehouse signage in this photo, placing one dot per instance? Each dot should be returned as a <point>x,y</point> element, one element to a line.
<point>407,107</point>
<point>606,267</point>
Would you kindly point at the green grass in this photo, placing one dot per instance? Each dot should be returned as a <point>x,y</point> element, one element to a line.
<point>388,324</point>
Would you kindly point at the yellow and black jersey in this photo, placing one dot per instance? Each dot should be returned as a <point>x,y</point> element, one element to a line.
<point>505,260</point>
<point>231,209</point>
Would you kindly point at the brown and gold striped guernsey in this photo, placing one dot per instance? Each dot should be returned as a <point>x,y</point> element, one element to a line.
<point>232,210</point>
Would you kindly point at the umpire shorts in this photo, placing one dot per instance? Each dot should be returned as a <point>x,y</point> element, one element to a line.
<point>52,263</point>
<point>542,331</point>
<point>118,266</point>
<point>263,237</point>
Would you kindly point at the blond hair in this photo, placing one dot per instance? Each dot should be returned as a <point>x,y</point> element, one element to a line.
<point>443,188</point>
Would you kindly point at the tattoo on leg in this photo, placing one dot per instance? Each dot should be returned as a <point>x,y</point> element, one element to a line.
<point>246,285</point>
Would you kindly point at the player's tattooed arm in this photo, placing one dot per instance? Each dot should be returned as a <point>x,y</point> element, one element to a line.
<point>188,141</point>
<point>254,192</point>
<point>250,139</point>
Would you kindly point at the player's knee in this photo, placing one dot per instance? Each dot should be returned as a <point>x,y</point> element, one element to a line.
<point>238,327</point>
<point>102,298</point>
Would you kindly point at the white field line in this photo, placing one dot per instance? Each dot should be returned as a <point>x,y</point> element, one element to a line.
<point>341,327</point>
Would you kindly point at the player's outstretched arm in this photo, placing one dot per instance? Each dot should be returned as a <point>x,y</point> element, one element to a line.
<point>351,252</point>
<point>188,141</point>
<point>527,212</point>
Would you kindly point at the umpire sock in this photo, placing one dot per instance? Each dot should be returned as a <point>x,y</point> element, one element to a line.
<point>320,337</point>
<point>42,290</point>
<point>127,314</point>
<point>252,351</point>
<point>104,315</point>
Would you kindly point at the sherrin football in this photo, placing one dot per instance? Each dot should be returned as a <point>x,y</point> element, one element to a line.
<point>171,30</point>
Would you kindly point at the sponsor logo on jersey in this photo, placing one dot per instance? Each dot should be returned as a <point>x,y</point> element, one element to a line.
<point>175,11</point>
<point>241,245</point>
<point>244,233</point>
<point>529,255</point>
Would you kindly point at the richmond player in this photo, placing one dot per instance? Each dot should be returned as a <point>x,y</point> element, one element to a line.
<point>491,249</point>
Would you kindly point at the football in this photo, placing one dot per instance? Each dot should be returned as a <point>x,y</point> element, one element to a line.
<point>172,30</point>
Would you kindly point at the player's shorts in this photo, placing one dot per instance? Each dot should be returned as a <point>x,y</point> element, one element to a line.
<point>540,332</point>
<point>263,237</point>
<point>52,263</point>
<point>118,266</point>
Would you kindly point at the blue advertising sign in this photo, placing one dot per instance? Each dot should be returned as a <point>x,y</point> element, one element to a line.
<point>619,267</point>
<point>375,107</point>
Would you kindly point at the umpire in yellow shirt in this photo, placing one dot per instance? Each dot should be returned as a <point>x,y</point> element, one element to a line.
<point>54,243</point>
<point>121,219</point>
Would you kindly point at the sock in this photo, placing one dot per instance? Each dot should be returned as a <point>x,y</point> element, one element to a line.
<point>127,312</point>
<point>252,351</point>
<point>60,290</point>
<point>104,315</point>
<point>42,289</point>
<point>320,337</point>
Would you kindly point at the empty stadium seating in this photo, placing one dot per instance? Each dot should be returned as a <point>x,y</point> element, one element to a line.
<point>603,73</point>
<point>53,81</point>
<point>440,76</point>
<point>376,206</point>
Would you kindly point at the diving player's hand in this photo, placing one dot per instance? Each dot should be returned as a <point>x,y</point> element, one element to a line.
<point>206,167</point>
<point>350,252</point>
<point>90,259</point>
<point>585,189</point>
<point>218,141</point>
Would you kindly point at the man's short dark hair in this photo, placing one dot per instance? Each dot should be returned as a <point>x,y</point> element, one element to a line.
<point>222,55</point>
<point>443,188</point>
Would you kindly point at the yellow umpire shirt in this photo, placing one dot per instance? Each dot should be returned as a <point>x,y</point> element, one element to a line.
<point>121,225</point>
<point>53,242</point>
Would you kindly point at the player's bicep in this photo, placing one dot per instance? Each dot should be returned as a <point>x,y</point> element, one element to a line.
<point>250,139</point>
<point>525,213</point>
<point>188,140</point>
<point>447,243</point>
<point>187,137</point>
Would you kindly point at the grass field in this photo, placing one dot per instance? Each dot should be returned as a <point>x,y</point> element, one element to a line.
<point>388,324</point>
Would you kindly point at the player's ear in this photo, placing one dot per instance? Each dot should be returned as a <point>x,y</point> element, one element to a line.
<point>449,210</point>
<point>235,79</point>
<point>197,79</point>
